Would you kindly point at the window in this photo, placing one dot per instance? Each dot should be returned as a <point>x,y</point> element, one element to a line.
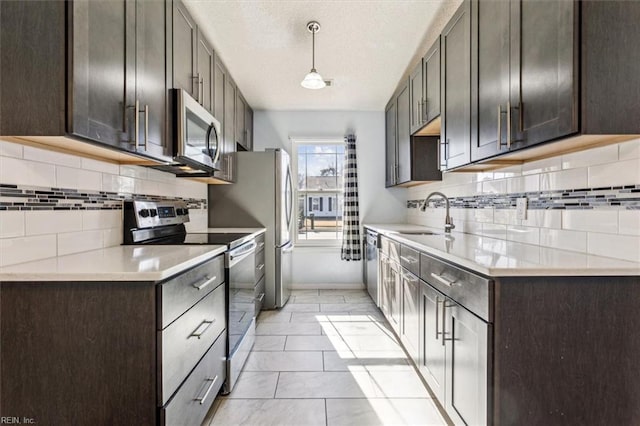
<point>319,191</point>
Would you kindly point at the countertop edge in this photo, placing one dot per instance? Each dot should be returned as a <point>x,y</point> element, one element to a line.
<point>393,231</point>
<point>140,277</point>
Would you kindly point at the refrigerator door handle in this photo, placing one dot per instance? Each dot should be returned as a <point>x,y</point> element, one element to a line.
<point>287,248</point>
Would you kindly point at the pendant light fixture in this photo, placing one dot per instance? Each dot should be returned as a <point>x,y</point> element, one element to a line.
<point>313,80</point>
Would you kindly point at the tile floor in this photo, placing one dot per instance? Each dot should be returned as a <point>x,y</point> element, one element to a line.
<point>327,358</point>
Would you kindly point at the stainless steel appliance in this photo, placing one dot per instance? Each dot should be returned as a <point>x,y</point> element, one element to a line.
<point>241,264</point>
<point>162,222</point>
<point>371,265</point>
<point>196,136</point>
<point>262,196</point>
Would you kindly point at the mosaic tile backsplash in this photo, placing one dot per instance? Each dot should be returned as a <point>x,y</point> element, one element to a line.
<point>588,202</point>
<point>627,197</point>
<point>14,197</point>
<point>54,204</point>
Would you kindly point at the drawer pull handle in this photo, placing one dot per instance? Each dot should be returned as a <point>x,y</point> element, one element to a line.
<point>261,298</point>
<point>409,277</point>
<point>202,328</point>
<point>205,282</point>
<point>202,398</point>
<point>442,279</point>
<point>409,259</point>
<point>260,267</point>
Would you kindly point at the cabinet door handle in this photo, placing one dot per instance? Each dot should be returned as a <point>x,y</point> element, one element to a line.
<point>202,398</point>
<point>202,90</point>
<point>136,138</point>
<point>205,282</point>
<point>437,317</point>
<point>425,112</point>
<point>442,279</point>
<point>260,267</point>
<point>202,328</point>
<point>409,259</point>
<point>499,127</point>
<point>196,92</point>
<point>444,318</point>
<point>508,124</point>
<point>146,127</point>
<point>261,298</point>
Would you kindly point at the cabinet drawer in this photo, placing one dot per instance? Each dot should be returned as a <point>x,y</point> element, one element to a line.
<point>260,242</point>
<point>390,248</point>
<point>191,403</point>
<point>410,259</point>
<point>180,293</point>
<point>259,293</point>
<point>184,342</point>
<point>259,265</point>
<point>468,289</point>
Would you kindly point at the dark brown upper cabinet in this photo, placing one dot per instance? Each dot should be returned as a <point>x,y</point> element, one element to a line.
<point>431,84</point>
<point>456,89</point>
<point>409,160</point>
<point>244,123</point>
<point>240,132</point>
<point>221,105</point>
<point>248,125</point>
<point>89,69</point>
<point>416,94</point>
<point>524,69</point>
<point>391,118</point>
<point>552,71</point>
<point>192,58</point>
<point>424,83</point>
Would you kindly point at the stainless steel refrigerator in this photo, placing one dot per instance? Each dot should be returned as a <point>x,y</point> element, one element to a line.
<point>261,197</point>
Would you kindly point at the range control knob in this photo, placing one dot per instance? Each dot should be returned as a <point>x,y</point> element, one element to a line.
<point>143,213</point>
<point>153,212</point>
<point>179,212</point>
<point>185,211</point>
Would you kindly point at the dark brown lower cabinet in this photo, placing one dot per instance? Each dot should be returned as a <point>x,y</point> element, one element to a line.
<point>466,365</point>
<point>100,353</point>
<point>432,349</point>
<point>554,351</point>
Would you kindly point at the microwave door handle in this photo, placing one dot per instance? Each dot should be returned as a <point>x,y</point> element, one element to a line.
<point>215,133</point>
<point>208,143</point>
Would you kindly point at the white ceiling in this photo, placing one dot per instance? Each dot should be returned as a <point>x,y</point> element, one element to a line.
<point>363,46</point>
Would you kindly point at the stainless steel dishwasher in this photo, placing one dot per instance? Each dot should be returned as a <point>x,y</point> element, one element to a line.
<point>371,265</point>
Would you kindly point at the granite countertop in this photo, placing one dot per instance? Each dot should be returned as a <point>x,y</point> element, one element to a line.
<point>120,263</point>
<point>500,258</point>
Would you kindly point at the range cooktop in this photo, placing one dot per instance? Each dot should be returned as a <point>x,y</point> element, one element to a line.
<point>162,223</point>
<point>231,240</point>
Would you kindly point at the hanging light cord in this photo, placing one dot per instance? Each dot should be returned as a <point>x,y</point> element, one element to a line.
<point>313,50</point>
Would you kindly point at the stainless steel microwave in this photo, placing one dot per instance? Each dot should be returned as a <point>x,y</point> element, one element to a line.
<point>196,134</point>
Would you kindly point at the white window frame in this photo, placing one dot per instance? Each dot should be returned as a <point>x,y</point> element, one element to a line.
<point>296,142</point>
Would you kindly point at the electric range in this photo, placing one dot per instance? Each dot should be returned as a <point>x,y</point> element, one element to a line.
<point>162,222</point>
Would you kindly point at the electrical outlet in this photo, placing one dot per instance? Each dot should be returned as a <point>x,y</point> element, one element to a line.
<point>521,208</point>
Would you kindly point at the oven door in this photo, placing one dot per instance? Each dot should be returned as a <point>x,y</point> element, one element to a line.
<point>241,265</point>
<point>197,135</point>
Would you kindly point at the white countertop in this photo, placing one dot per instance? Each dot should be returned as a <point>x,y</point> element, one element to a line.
<point>501,258</point>
<point>120,263</point>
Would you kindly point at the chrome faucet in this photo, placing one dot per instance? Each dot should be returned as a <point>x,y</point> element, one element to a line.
<point>448,223</point>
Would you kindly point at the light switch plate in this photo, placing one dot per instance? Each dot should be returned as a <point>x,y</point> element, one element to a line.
<point>521,208</point>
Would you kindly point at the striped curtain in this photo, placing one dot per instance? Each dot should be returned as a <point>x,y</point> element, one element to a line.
<point>351,245</point>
